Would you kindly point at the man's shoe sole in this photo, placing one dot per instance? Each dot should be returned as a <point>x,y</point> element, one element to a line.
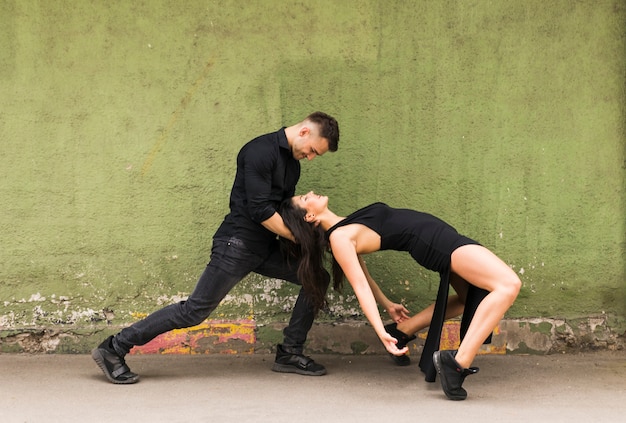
<point>99,359</point>
<point>286,368</point>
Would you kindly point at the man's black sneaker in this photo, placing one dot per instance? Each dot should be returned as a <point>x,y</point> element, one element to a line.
<point>403,339</point>
<point>287,362</point>
<point>452,374</point>
<point>113,365</point>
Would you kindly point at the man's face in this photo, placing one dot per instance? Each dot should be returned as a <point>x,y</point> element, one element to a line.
<point>309,144</point>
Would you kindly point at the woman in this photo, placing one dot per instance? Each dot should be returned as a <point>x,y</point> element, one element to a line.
<point>432,243</point>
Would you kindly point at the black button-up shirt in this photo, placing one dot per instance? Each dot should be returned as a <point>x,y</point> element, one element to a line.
<point>267,173</point>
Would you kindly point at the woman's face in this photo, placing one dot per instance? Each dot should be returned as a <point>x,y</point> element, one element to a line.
<point>311,202</point>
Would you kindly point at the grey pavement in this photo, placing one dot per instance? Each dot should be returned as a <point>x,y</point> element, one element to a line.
<point>218,388</point>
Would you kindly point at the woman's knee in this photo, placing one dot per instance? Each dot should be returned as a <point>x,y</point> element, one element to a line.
<point>511,286</point>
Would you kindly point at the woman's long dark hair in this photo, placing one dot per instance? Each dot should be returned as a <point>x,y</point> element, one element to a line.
<point>309,250</point>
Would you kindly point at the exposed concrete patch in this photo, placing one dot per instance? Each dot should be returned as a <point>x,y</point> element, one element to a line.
<point>31,341</point>
<point>559,335</point>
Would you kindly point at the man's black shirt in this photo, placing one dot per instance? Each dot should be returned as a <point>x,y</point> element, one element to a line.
<point>267,173</point>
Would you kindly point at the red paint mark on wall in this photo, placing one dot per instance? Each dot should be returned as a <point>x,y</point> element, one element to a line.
<point>210,337</point>
<point>451,338</point>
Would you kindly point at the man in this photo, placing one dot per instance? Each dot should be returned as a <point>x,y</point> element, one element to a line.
<point>268,170</point>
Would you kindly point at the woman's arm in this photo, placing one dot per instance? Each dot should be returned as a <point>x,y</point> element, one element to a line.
<point>345,253</point>
<point>397,311</point>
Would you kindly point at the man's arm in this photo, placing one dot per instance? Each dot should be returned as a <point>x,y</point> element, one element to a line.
<point>275,224</point>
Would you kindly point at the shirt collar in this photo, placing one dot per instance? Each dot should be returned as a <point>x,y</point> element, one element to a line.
<point>282,139</point>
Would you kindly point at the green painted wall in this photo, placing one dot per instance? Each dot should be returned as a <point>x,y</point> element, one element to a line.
<point>120,122</point>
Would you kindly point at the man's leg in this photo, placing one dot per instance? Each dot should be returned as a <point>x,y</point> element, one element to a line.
<point>230,262</point>
<point>289,355</point>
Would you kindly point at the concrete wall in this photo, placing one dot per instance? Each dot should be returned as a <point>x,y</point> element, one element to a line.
<point>120,122</point>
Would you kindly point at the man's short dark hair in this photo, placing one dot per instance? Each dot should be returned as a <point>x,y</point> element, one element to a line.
<point>329,128</point>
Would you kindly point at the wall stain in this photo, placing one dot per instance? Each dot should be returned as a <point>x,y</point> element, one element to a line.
<point>183,105</point>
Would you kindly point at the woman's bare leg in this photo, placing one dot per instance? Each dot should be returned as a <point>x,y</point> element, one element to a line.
<point>456,304</point>
<point>482,268</point>
<point>422,319</point>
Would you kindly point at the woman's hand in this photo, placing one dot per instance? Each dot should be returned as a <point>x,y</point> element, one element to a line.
<point>398,312</point>
<point>390,344</point>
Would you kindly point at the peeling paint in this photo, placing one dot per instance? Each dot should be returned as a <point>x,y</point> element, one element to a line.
<point>358,347</point>
<point>542,327</point>
<point>246,336</point>
<point>204,339</point>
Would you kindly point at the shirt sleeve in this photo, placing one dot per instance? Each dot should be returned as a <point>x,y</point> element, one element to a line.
<point>259,167</point>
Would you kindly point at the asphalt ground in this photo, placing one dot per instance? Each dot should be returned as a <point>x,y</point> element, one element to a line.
<point>569,388</point>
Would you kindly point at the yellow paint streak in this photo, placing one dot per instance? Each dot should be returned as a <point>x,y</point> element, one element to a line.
<point>205,338</point>
<point>451,338</point>
<point>183,105</point>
